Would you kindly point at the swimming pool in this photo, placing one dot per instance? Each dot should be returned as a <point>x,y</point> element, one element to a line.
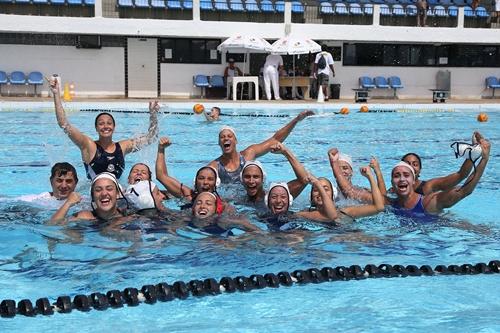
<point>46,261</point>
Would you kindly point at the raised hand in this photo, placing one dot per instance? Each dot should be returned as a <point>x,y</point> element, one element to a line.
<point>374,163</point>
<point>164,142</point>
<point>154,106</point>
<point>305,114</point>
<point>53,84</point>
<point>278,148</point>
<point>74,198</point>
<point>333,155</point>
<point>365,171</point>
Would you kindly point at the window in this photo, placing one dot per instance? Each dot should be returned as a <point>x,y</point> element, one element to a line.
<point>190,51</point>
<point>454,55</point>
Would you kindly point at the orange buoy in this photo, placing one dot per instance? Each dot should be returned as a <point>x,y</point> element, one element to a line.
<point>344,110</point>
<point>198,108</point>
<point>482,117</point>
<point>363,108</point>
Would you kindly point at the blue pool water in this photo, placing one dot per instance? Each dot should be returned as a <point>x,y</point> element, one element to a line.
<point>46,261</point>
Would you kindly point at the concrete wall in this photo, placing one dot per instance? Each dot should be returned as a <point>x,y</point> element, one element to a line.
<point>94,72</point>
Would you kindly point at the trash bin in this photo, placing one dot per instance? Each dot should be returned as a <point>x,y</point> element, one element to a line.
<point>335,91</point>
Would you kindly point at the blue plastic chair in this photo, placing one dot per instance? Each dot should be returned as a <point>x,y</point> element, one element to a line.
<point>266,6</point>
<point>406,2</point>
<point>4,79</point>
<point>236,6</point>
<point>398,10</point>
<point>411,10</point>
<point>217,81</point>
<point>459,2</point>
<point>89,3</point>
<point>40,2</point>
<point>125,3</point>
<point>141,3</point>
<point>440,11</point>
<point>380,82</point>
<point>395,84</point>
<point>158,4</point>
<point>453,11</point>
<point>492,83</point>
<point>35,79</point>
<point>206,5</point>
<point>368,9</point>
<point>19,1</point>
<point>221,5</point>
<point>341,9</point>
<point>17,78</point>
<point>326,8</point>
<point>174,4</point>
<point>355,9</point>
<point>366,82</point>
<point>468,11</point>
<point>280,6</point>
<point>482,13</point>
<point>385,10</point>
<point>297,7</point>
<point>445,2</point>
<point>201,81</point>
<point>251,6</point>
<point>74,2</point>
<point>187,4</point>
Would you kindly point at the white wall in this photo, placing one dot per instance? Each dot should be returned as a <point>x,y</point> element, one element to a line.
<point>94,72</point>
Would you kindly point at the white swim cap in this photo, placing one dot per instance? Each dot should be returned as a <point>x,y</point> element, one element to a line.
<point>229,128</point>
<point>106,175</point>
<point>406,165</point>
<point>285,186</point>
<point>258,165</point>
<point>217,179</point>
<point>140,194</point>
<point>346,158</point>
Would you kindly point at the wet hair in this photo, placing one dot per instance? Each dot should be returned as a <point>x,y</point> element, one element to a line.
<point>104,114</point>
<point>313,206</point>
<point>147,167</point>
<point>217,108</point>
<point>61,169</point>
<point>413,154</point>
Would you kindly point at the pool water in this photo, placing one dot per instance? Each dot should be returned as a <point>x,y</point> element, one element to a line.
<point>47,261</point>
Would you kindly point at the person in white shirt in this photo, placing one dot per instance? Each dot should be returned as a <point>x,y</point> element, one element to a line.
<point>322,69</point>
<point>272,66</point>
<point>231,71</point>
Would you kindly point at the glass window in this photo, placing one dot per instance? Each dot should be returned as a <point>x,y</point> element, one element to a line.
<point>190,51</point>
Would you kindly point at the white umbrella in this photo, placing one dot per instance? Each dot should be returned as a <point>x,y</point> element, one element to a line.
<point>292,45</point>
<point>244,44</point>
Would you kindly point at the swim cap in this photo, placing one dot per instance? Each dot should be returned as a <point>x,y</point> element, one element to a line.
<point>285,186</point>
<point>227,128</point>
<point>217,179</point>
<point>346,158</point>
<point>140,194</point>
<point>257,164</point>
<point>106,175</point>
<point>406,165</point>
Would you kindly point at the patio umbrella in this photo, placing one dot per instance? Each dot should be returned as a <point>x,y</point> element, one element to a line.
<point>292,45</point>
<point>245,44</point>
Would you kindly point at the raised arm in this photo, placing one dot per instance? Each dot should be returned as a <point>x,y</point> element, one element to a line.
<point>328,205</point>
<point>256,150</point>
<point>295,186</point>
<point>59,216</point>
<point>135,144</point>
<point>378,173</point>
<point>377,198</point>
<point>83,142</point>
<point>171,184</point>
<point>436,202</point>
<point>345,185</point>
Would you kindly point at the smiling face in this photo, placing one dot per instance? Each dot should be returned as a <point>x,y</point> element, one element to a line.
<point>104,194</point>
<point>139,172</point>
<point>402,180</point>
<point>346,169</point>
<point>252,180</point>
<point>316,199</point>
<point>278,200</point>
<point>227,141</point>
<point>104,125</point>
<point>205,205</point>
<point>63,185</point>
<point>414,162</point>
<point>205,180</point>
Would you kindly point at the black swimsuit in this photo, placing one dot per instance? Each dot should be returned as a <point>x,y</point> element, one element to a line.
<point>106,162</point>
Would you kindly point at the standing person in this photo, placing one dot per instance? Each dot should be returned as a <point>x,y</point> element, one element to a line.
<point>323,66</point>
<point>422,7</point>
<point>104,155</point>
<point>272,67</point>
<point>231,71</point>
